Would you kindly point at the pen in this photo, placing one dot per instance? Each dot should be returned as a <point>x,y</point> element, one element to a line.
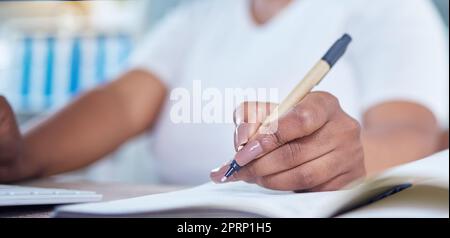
<point>312,78</point>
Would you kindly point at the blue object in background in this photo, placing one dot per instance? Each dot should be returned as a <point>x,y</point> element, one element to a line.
<point>49,72</point>
<point>64,71</point>
<point>100,59</point>
<point>75,67</point>
<point>53,69</point>
<point>26,71</point>
<point>126,48</point>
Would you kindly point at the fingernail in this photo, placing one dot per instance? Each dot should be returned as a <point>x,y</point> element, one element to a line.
<point>217,173</point>
<point>249,152</point>
<point>241,135</point>
<point>216,170</point>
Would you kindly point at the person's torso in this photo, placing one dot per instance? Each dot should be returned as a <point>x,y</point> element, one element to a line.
<point>231,52</point>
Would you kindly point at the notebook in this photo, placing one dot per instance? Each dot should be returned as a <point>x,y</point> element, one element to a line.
<point>425,182</point>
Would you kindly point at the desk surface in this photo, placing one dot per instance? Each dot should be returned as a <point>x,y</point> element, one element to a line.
<point>110,191</point>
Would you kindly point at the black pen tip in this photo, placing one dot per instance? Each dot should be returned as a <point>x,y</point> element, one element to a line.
<point>234,167</point>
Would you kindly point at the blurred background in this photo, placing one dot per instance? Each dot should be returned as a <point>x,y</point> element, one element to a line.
<point>51,51</point>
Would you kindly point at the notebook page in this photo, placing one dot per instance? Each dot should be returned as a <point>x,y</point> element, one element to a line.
<point>430,171</point>
<point>425,200</point>
<point>238,197</point>
<point>252,199</point>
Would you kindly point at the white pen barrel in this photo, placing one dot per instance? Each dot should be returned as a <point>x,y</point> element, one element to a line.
<point>314,76</point>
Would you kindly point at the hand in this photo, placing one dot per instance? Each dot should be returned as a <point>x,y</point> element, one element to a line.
<point>316,146</point>
<point>10,143</point>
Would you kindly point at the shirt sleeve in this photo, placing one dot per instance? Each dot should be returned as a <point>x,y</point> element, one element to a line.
<point>164,50</point>
<point>401,53</point>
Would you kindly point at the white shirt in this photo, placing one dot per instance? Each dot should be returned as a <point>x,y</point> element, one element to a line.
<point>398,52</point>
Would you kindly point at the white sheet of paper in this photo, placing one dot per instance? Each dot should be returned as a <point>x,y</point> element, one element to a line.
<point>252,199</point>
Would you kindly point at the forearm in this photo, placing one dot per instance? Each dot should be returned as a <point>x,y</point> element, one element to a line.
<point>91,127</point>
<point>398,136</point>
<point>386,149</point>
<point>75,136</point>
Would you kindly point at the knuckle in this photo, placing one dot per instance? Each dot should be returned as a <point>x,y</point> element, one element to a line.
<point>270,141</point>
<point>277,138</point>
<point>331,98</point>
<point>305,117</point>
<point>329,101</point>
<point>328,97</point>
<point>354,124</point>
